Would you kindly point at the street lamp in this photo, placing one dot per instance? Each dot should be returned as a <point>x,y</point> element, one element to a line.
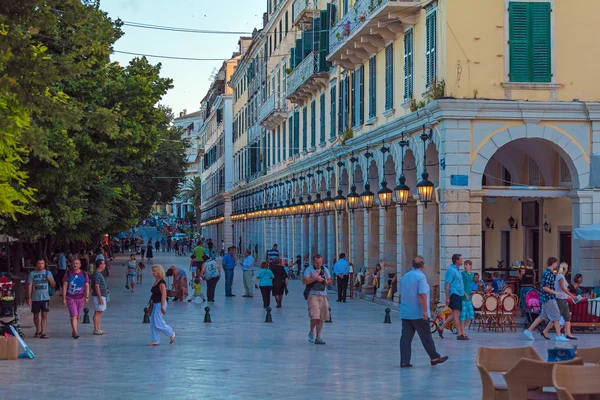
<point>385,195</point>
<point>301,207</point>
<point>402,190</point>
<point>310,207</point>
<point>425,187</point>
<point>340,201</point>
<point>318,204</point>
<point>367,197</point>
<point>293,210</point>
<point>353,198</point>
<point>328,202</point>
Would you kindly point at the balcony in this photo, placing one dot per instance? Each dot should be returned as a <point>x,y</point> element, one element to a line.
<point>308,79</point>
<point>254,86</point>
<point>366,29</point>
<point>303,13</point>
<point>253,133</point>
<point>273,112</point>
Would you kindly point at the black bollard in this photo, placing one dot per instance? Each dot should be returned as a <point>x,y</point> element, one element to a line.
<point>86,316</point>
<point>146,316</point>
<point>269,318</point>
<point>207,315</point>
<point>387,319</point>
<point>329,321</point>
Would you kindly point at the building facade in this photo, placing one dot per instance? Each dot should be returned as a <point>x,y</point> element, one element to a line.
<point>390,128</point>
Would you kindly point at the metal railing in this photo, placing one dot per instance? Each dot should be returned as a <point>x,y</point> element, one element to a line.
<point>300,6</point>
<point>353,20</point>
<point>274,103</point>
<point>310,66</point>
<point>253,133</point>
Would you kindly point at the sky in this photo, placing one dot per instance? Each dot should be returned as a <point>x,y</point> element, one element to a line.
<point>191,79</point>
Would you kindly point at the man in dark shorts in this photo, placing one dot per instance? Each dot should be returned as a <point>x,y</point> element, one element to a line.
<point>38,285</point>
<point>455,292</point>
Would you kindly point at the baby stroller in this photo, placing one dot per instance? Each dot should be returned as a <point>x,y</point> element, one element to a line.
<point>8,309</point>
<point>533,308</point>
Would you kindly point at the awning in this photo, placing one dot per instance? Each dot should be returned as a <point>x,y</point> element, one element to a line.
<point>590,232</point>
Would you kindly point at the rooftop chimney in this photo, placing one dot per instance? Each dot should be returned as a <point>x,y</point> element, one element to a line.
<point>265,19</point>
<point>185,111</point>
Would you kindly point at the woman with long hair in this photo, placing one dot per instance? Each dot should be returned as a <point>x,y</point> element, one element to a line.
<point>280,279</point>
<point>158,308</point>
<point>560,286</point>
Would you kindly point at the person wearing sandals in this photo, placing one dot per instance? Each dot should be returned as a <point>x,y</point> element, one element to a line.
<point>76,292</point>
<point>100,292</point>
<point>158,308</point>
<point>560,284</point>
<point>38,296</point>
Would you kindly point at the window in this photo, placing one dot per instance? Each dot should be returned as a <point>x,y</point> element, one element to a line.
<point>276,148</point>
<point>389,77</point>
<point>408,65</point>
<point>284,141</point>
<point>430,44</point>
<point>322,118</point>
<point>313,123</point>
<point>296,131</point>
<point>565,173</point>
<point>304,128</point>
<point>361,95</point>
<point>534,173</point>
<point>345,5</point>
<point>275,40</point>
<point>291,135</point>
<point>280,30</point>
<point>372,87</point>
<point>287,23</point>
<point>332,111</point>
<point>529,41</point>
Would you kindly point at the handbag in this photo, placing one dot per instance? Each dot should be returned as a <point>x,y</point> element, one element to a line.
<point>50,288</point>
<point>558,354</point>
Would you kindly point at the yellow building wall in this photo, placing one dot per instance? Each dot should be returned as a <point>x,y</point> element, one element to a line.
<point>474,37</point>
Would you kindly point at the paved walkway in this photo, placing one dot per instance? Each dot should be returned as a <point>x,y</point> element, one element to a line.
<point>239,356</point>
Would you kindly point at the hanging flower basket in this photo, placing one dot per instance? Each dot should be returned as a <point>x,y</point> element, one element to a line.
<point>362,17</point>
<point>346,31</point>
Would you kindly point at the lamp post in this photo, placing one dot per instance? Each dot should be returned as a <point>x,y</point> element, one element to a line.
<point>402,190</point>
<point>310,207</point>
<point>367,197</point>
<point>353,199</point>
<point>385,195</point>
<point>425,186</point>
<point>328,202</point>
<point>340,201</point>
<point>318,204</point>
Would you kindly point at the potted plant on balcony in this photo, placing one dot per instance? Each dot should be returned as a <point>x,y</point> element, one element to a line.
<point>362,17</point>
<point>338,36</point>
<point>346,30</point>
<point>289,70</point>
<point>347,135</point>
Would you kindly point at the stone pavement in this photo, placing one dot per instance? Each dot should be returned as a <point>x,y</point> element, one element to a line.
<point>239,356</point>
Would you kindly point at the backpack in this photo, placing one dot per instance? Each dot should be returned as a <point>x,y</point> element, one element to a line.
<point>310,286</point>
<point>50,288</point>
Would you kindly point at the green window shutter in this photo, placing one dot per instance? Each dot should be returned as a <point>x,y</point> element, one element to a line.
<point>389,77</point>
<point>540,51</point>
<point>291,136</point>
<point>308,39</point>
<point>372,87</point>
<point>278,148</point>
<point>430,43</point>
<point>322,118</point>
<point>283,141</point>
<point>408,65</point>
<point>292,58</point>
<point>299,54</point>
<point>361,101</point>
<point>313,123</point>
<point>332,111</point>
<point>353,90</point>
<point>296,131</point>
<point>324,41</point>
<point>304,127</point>
<point>520,64</point>
<point>342,90</point>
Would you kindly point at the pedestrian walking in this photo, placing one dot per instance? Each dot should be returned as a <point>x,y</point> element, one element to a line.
<point>76,292</point>
<point>131,272</point>
<point>149,254</point>
<point>280,280</point>
<point>341,269</point>
<point>468,312</point>
<point>550,310</point>
<point>316,278</point>
<point>100,292</point>
<point>163,245</point>
<point>248,272</point>
<point>142,250</point>
<point>222,247</point>
<point>158,308</point>
<point>561,287</point>
<point>62,264</point>
<point>455,292</point>
<point>265,277</point>
<point>39,283</point>
<point>272,253</point>
<point>157,245</point>
<point>212,274</point>
<point>415,315</point>
<point>84,260</point>
<point>229,267</point>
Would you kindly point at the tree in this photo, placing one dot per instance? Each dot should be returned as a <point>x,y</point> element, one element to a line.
<point>191,192</point>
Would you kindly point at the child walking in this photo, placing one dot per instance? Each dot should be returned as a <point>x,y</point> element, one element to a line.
<point>141,267</point>
<point>197,286</point>
<point>265,277</point>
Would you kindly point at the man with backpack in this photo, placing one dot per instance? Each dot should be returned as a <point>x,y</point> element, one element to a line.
<point>316,278</point>
<point>39,284</point>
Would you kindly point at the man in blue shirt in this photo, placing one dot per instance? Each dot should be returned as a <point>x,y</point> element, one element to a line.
<point>248,271</point>
<point>341,269</point>
<point>414,311</point>
<point>455,291</point>
<point>229,266</point>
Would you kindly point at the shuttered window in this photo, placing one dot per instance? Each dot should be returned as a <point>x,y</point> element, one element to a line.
<point>296,131</point>
<point>530,53</point>
<point>408,65</point>
<point>291,136</point>
<point>322,118</point>
<point>313,123</point>
<point>389,77</point>
<point>372,87</point>
<point>361,96</point>
<point>304,128</point>
<point>283,142</point>
<point>278,148</point>
<point>332,111</point>
<point>430,47</point>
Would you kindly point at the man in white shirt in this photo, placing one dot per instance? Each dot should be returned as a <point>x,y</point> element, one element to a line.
<point>248,271</point>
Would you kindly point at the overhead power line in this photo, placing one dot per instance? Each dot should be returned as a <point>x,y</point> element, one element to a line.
<point>187,58</point>
<point>187,30</point>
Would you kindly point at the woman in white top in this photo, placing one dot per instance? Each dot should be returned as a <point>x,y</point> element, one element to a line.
<point>560,285</point>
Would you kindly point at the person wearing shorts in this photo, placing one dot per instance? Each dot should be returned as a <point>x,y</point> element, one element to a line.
<point>131,271</point>
<point>38,296</point>
<point>455,292</point>
<point>550,310</point>
<point>76,292</point>
<point>560,284</point>
<point>316,278</point>
<point>100,292</point>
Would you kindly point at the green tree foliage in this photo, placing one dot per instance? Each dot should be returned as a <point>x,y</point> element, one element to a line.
<point>90,142</point>
<point>191,191</point>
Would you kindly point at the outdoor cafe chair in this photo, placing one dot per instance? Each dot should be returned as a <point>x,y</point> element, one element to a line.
<point>589,355</point>
<point>576,382</point>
